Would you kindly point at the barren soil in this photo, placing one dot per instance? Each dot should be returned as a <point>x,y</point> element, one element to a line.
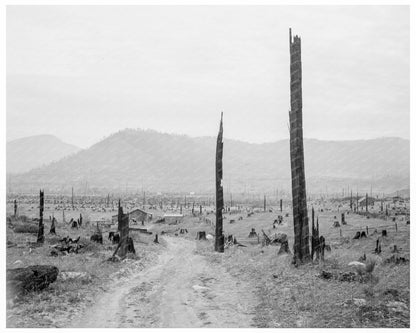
<point>182,290</point>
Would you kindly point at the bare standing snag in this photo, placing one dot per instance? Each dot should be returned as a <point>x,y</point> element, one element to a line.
<point>219,237</point>
<point>41,237</point>
<point>300,212</point>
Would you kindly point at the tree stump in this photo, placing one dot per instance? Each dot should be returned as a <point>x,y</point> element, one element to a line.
<point>52,231</point>
<point>384,233</point>
<point>201,235</point>
<point>31,278</point>
<point>284,248</point>
<point>252,233</point>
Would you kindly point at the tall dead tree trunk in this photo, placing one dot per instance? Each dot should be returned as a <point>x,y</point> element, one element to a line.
<point>219,237</point>
<point>119,215</point>
<point>300,213</point>
<point>123,227</point>
<point>41,236</point>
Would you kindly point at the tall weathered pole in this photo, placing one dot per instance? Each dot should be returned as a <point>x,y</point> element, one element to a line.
<point>72,198</point>
<point>300,212</point>
<point>41,237</point>
<point>219,194</point>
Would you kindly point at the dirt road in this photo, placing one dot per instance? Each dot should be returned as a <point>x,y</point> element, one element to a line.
<point>182,290</point>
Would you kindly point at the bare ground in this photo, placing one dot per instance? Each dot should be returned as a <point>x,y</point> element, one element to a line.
<point>183,289</point>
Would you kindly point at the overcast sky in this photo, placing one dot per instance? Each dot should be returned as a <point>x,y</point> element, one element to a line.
<point>84,72</point>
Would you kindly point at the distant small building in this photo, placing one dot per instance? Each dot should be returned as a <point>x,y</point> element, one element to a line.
<point>137,215</point>
<point>170,218</point>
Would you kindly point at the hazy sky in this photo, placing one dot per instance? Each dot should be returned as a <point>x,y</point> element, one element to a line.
<point>84,72</point>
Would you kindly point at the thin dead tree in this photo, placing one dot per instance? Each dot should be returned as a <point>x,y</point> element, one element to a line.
<point>219,236</point>
<point>41,236</point>
<point>15,208</point>
<point>300,213</point>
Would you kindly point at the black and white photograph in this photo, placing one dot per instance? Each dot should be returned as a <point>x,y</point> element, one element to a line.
<point>207,165</point>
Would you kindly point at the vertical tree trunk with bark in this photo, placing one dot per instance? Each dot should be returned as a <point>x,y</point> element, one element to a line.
<point>41,236</point>
<point>300,213</point>
<point>219,237</point>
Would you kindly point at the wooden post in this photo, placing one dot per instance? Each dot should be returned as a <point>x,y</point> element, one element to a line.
<point>366,228</point>
<point>300,213</point>
<point>41,236</point>
<point>264,203</point>
<point>72,198</point>
<point>200,209</point>
<point>396,226</point>
<point>351,201</point>
<point>219,194</point>
<point>281,205</point>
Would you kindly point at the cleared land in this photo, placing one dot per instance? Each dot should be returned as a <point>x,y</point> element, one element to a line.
<point>181,282</point>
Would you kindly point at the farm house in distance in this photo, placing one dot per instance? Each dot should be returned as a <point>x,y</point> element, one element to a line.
<point>136,215</point>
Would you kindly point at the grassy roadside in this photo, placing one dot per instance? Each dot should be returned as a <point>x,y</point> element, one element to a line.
<point>67,298</point>
<point>297,297</point>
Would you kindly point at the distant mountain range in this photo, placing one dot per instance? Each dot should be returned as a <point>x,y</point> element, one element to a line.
<point>35,151</point>
<point>153,161</point>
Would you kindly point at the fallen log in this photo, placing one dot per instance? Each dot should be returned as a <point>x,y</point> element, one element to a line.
<point>31,278</point>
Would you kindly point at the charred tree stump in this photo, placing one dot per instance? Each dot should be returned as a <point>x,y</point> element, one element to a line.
<point>52,231</point>
<point>15,208</point>
<point>343,218</point>
<point>219,195</point>
<point>41,236</point>
<point>284,248</point>
<point>156,239</point>
<point>201,235</point>
<point>384,233</point>
<point>300,213</point>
